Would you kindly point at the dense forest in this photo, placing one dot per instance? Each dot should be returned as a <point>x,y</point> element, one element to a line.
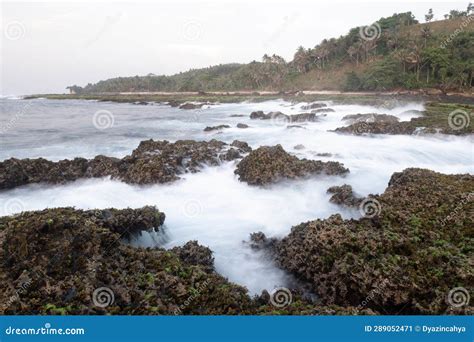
<point>392,53</point>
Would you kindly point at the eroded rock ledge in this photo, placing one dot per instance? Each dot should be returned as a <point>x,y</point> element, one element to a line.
<point>404,260</point>
<point>151,162</point>
<point>269,164</point>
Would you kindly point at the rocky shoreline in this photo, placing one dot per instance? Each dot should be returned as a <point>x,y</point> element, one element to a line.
<point>151,162</point>
<point>414,244</point>
<point>411,248</point>
<point>155,162</point>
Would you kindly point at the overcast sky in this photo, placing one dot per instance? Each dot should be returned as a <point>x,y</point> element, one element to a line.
<point>47,46</point>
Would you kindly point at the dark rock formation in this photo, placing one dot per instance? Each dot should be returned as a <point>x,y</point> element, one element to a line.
<point>241,145</point>
<point>267,165</point>
<point>269,116</point>
<point>259,241</point>
<point>72,262</point>
<point>194,254</point>
<point>304,117</point>
<point>378,124</point>
<point>189,105</point>
<point>377,128</point>
<point>344,195</point>
<point>215,128</point>
<point>241,125</point>
<point>151,162</point>
<point>323,154</point>
<point>279,116</point>
<point>377,118</point>
<point>60,257</point>
<point>406,260</point>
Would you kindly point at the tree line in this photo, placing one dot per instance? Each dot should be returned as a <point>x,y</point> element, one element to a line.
<point>394,52</point>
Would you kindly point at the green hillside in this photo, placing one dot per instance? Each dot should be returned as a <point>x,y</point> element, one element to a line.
<point>396,52</point>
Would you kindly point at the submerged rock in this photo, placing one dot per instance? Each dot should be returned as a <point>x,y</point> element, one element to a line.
<point>151,162</point>
<point>377,128</point>
<point>259,241</point>
<point>189,105</point>
<point>404,260</point>
<point>241,125</point>
<point>241,145</point>
<point>67,261</point>
<point>269,164</point>
<point>344,195</point>
<point>304,117</point>
<point>323,110</point>
<point>215,128</point>
<point>314,105</point>
<point>354,118</point>
<point>279,116</point>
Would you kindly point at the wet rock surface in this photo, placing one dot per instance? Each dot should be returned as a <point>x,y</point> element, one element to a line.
<point>377,118</point>
<point>215,128</point>
<point>151,162</point>
<point>189,105</point>
<point>280,117</point>
<point>376,124</point>
<point>194,254</point>
<point>241,125</point>
<point>269,164</point>
<point>344,195</point>
<point>403,260</point>
<point>378,128</point>
<point>315,105</point>
<point>59,257</point>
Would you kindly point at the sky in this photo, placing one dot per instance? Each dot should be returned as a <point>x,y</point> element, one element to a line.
<point>46,46</point>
